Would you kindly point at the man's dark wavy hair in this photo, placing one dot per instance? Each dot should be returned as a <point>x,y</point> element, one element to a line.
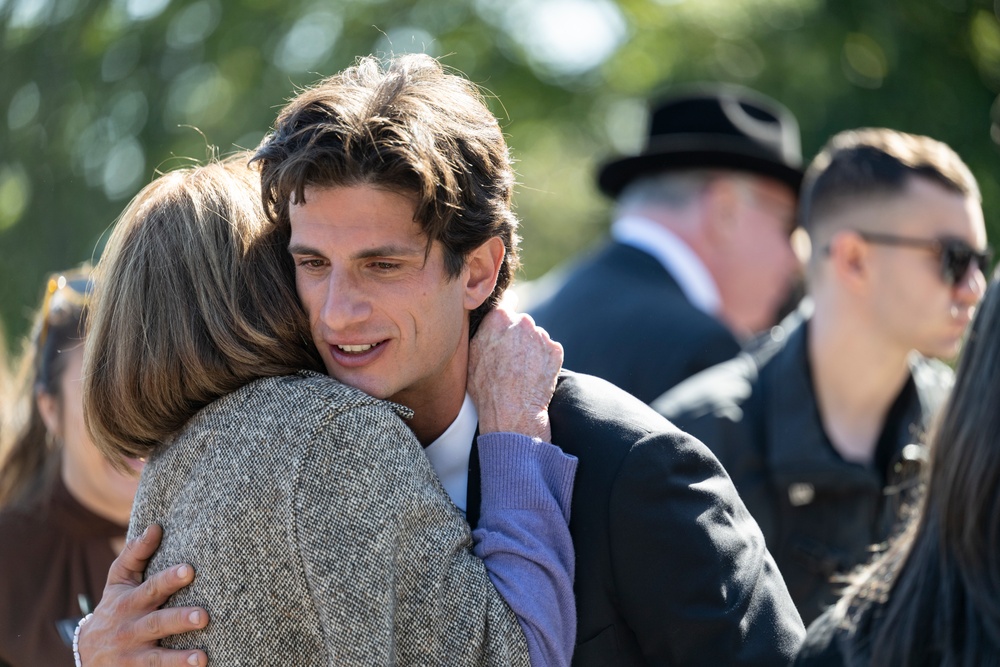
<point>407,126</point>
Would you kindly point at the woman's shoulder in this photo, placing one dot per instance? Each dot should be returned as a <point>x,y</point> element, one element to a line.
<point>299,413</point>
<point>15,522</point>
<point>305,416</point>
<point>26,535</point>
<point>306,392</point>
<point>300,399</point>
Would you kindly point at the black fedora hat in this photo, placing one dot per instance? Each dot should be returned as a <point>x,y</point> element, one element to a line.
<point>713,125</point>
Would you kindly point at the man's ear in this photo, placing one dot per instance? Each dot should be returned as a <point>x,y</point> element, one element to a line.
<point>849,256</point>
<point>482,266</point>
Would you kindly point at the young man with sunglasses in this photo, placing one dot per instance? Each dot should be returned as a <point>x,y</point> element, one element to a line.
<point>821,427</point>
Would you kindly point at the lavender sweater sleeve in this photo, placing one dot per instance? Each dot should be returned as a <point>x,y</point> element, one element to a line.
<point>523,538</point>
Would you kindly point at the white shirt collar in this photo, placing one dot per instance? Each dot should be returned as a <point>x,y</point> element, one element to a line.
<point>676,257</point>
<point>449,454</point>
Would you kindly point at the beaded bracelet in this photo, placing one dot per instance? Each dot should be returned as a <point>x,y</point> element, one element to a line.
<point>76,640</point>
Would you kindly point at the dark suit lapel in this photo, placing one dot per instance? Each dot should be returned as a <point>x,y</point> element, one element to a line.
<point>473,494</point>
<point>639,266</point>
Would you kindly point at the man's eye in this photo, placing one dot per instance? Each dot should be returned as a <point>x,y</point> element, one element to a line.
<point>384,266</point>
<point>310,263</point>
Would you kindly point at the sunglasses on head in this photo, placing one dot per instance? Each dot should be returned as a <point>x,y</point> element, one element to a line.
<point>61,291</point>
<point>956,256</point>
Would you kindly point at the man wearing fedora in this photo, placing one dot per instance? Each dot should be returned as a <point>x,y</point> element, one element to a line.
<point>699,257</point>
<point>821,427</point>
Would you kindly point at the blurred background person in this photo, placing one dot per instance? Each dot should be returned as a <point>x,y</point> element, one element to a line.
<point>64,508</point>
<point>699,257</point>
<point>933,598</point>
<point>821,429</point>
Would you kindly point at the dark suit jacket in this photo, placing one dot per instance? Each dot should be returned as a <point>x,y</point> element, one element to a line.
<point>620,316</point>
<point>670,567</point>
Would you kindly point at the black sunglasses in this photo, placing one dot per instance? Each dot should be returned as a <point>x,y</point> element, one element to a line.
<point>956,255</point>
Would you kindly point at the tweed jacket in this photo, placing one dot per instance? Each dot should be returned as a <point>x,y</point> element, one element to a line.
<point>622,317</point>
<point>316,525</point>
<point>819,513</point>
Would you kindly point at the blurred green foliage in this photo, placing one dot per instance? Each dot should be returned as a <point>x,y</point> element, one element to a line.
<point>97,96</point>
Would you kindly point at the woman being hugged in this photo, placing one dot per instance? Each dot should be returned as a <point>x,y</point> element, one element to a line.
<point>933,598</point>
<point>318,530</point>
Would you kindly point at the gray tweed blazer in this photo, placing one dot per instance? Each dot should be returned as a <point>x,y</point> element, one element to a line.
<point>320,535</point>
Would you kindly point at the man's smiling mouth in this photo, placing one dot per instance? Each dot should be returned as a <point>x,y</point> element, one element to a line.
<point>353,349</point>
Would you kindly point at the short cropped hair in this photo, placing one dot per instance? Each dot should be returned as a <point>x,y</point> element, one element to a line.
<point>409,126</point>
<point>194,298</point>
<point>856,167</point>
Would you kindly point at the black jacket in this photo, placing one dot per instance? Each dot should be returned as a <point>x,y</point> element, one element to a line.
<point>819,513</point>
<point>670,567</point>
<point>620,316</point>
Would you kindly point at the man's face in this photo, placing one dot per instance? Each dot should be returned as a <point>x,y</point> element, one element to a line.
<point>385,316</point>
<point>758,265</point>
<point>910,302</point>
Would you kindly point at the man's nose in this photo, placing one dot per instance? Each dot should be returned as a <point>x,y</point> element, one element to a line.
<point>346,303</point>
<point>969,289</point>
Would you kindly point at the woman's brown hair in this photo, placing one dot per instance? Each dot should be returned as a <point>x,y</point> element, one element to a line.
<point>195,298</point>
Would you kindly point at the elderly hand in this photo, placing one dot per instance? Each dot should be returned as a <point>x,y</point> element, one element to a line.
<point>513,366</point>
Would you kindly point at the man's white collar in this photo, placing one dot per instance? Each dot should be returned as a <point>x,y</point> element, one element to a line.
<point>449,454</point>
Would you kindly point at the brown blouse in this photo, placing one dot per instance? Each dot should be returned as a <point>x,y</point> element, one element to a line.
<point>54,557</point>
